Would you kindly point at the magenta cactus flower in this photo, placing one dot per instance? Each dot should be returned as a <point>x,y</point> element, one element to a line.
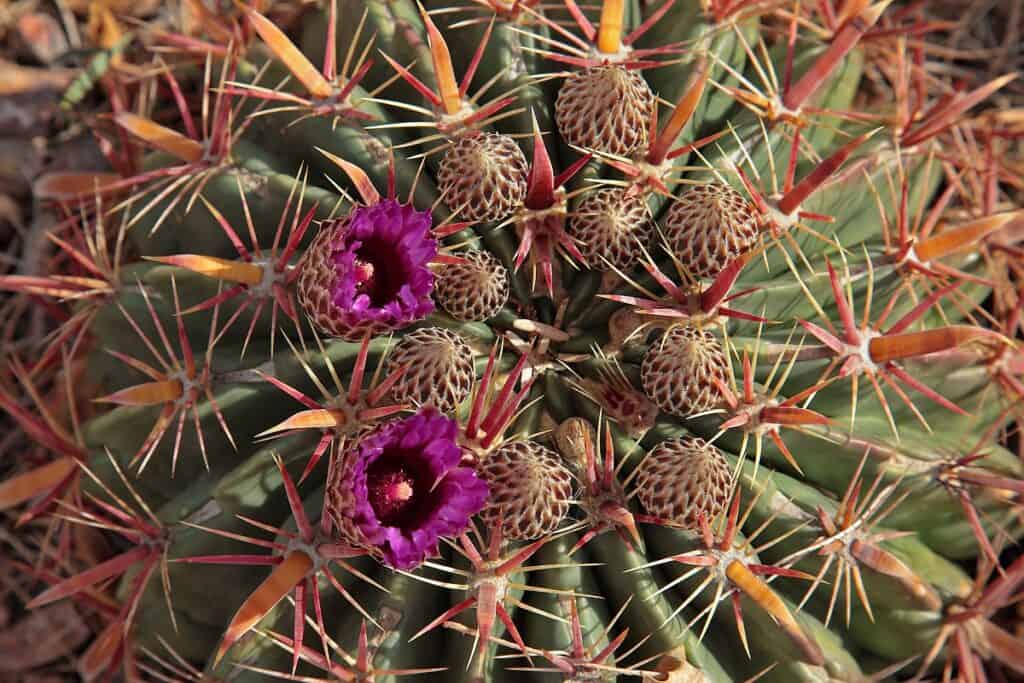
<point>408,488</point>
<point>368,272</point>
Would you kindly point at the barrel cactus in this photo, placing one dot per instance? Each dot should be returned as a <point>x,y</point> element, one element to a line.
<point>489,341</point>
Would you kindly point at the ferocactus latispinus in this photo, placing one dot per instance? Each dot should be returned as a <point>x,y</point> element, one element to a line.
<point>365,337</point>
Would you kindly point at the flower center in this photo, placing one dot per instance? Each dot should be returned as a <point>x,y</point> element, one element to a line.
<point>398,485</point>
<point>379,272</point>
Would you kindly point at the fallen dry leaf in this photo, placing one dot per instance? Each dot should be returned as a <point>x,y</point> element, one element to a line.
<point>16,79</point>
<point>42,636</point>
<point>134,8</point>
<point>43,36</point>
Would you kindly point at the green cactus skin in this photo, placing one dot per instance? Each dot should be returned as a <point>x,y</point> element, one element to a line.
<point>854,523</point>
